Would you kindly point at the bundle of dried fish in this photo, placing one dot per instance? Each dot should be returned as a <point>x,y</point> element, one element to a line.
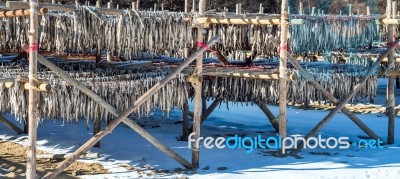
<point>326,33</point>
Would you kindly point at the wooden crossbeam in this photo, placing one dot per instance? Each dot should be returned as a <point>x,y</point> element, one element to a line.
<point>342,104</point>
<point>121,117</point>
<point>20,12</point>
<point>253,75</point>
<point>244,20</point>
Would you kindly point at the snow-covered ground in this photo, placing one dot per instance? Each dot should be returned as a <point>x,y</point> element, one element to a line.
<point>124,146</point>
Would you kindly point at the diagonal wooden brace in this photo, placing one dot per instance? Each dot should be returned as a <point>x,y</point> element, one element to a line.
<point>321,89</point>
<point>122,117</point>
<point>342,104</point>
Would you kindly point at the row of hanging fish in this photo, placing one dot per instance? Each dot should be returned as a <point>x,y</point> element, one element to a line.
<point>240,41</point>
<point>67,103</point>
<point>132,34</point>
<point>140,33</point>
<point>327,33</point>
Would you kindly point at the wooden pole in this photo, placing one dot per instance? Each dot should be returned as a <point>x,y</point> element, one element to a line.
<point>98,46</point>
<point>33,94</point>
<point>239,9</point>
<point>138,5</point>
<point>272,119</point>
<point>11,125</point>
<point>197,84</point>
<point>133,6</point>
<point>185,111</point>
<point>122,117</point>
<point>390,97</point>
<point>261,8</point>
<point>155,7</point>
<point>193,5</point>
<point>98,3</point>
<point>283,70</point>
<point>110,5</point>
<point>53,2</point>
<point>313,11</point>
<point>368,11</point>
<point>350,6</point>
<point>301,8</point>
<point>186,6</point>
<point>340,106</point>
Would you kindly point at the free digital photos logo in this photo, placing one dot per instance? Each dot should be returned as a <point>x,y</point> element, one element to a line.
<point>277,142</point>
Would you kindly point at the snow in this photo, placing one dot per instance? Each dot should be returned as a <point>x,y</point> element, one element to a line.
<point>124,146</point>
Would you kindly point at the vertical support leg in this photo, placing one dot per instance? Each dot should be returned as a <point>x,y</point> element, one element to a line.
<point>185,110</point>
<point>283,70</point>
<point>96,129</point>
<point>390,90</point>
<point>33,93</point>
<point>197,97</point>
<point>26,126</point>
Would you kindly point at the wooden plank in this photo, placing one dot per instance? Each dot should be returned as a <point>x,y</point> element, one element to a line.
<point>11,125</point>
<point>33,93</point>
<point>259,20</point>
<point>64,156</point>
<point>254,75</point>
<point>121,117</point>
<point>20,12</point>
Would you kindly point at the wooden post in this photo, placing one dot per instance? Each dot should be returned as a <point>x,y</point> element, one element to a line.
<point>96,129</point>
<point>261,9</point>
<point>110,5</point>
<point>390,97</point>
<point>134,6</point>
<point>301,8</point>
<point>97,122</point>
<point>98,47</point>
<point>368,11</point>
<point>53,2</point>
<point>98,4</point>
<point>239,9</point>
<point>186,6</point>
<point>155,7</point>
<point>198,90</point>
<point>11,125</point>
<point>193,5</point>
<point>283,70</point>
<point>350,6</point>
<point>138,5</point>
<point>388,9</point>
<point>162,6</point>
<point>33,94</point>
<point>185,111</point>
<point>313,11</point>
